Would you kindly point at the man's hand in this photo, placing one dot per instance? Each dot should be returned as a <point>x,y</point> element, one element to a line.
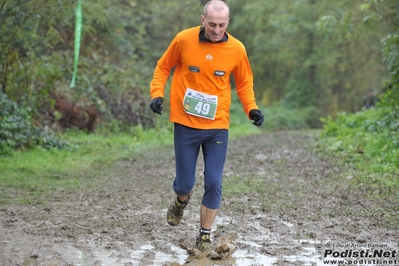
<point>155,105</point>
<point>257,116</point>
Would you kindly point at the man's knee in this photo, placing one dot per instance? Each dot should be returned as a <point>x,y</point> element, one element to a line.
<point>212,203</point>
<point>212,194</point>
<point>182,189</point>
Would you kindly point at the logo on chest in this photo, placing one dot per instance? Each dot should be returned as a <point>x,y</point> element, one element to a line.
<point>194,69</point>
<point>219,73</point>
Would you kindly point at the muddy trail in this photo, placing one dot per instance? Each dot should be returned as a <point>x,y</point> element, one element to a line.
<point>282,205</point>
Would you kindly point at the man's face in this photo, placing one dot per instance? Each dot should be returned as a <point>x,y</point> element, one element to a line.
<point>215,24</point>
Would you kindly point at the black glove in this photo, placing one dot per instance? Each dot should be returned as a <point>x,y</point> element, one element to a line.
<point>155,105</point>
<point>257,116</point>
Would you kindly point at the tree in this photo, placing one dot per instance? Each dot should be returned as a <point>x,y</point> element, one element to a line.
<point>121,42</point>
<point>310,52</point>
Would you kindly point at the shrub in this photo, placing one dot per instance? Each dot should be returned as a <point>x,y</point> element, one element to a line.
<point>17,131</point>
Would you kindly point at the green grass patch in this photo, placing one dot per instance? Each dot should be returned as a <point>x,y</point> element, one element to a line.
<point>368,141</point>
<point>237,186</point>
<point>39,170</point>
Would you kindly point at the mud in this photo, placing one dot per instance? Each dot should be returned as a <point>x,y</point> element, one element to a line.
<point>294,206</point>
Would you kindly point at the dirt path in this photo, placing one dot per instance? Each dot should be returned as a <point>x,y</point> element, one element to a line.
<point>293,210</point>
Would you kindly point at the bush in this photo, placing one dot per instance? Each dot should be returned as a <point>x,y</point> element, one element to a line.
<point>368,141</point>
<point>17,130</point>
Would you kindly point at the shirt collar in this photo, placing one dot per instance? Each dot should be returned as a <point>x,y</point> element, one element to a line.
<point>202,37</point>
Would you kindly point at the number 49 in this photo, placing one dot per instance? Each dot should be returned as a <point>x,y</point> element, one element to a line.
<point>203,108</point>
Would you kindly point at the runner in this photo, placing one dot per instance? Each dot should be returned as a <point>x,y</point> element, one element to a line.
<point>200,98</point>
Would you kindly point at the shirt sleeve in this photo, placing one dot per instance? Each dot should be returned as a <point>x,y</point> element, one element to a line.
<point>163,68</point>
<point>243,78</point>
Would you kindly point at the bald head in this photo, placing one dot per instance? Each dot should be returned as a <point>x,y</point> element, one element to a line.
<point>215,5</point>
<point>215,20</point>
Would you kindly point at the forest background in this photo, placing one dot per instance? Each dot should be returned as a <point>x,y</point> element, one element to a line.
<point>313,62</point>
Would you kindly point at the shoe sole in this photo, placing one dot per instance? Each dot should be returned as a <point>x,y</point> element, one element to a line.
<point>172,219</point>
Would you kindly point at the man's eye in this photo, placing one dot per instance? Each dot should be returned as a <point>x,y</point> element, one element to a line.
<point>214,25</point>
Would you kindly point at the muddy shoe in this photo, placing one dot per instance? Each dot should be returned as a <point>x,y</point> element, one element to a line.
<point>176,210</point>
<point>204,245</point>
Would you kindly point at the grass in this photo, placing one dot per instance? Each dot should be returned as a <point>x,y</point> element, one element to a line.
<point>39,170</point>
<point>237,186</point>
<point>368,143</point>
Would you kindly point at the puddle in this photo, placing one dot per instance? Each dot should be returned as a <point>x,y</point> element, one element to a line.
<point>242,258</point>
<point>251,250</point>
<point>239,257</point>
<point>160,257</point>
<point>59,254</point>
<point>309,256</point>
<point>254,254</point>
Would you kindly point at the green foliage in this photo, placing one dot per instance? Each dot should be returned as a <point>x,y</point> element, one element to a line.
<point>279,117</point>
<point>299,93</point>
<point>369,141</point>
<point>391,57</point>
<point>17,130</point>
<point>122,40</point>
<point>312,53</point>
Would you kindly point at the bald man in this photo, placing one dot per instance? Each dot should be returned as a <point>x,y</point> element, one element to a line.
<point>200,98</point>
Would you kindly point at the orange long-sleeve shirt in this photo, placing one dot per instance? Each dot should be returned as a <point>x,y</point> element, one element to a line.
<point>204,68</point>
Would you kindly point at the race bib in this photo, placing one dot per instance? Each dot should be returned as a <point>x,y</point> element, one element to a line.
<point>200,104</point>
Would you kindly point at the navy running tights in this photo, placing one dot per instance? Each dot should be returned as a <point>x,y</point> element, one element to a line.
<point>187,143</point>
